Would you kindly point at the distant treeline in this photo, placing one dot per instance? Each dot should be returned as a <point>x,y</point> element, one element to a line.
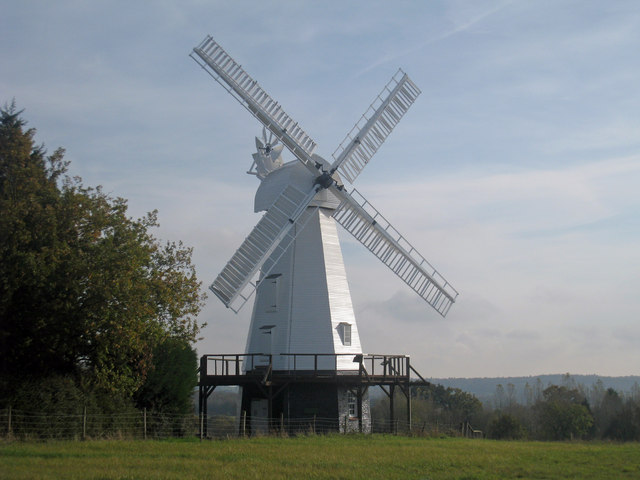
<point>564,411</point>
<point>484,388</point>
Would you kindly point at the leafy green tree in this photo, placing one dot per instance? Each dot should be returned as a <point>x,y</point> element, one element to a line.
<point>462,406</point>
<point>563,414</point>
<point>606,410</point>
<point>85,290</point>
<point>170,384</point>
<point>432,404</point>
<point>506,427</point>
<point>625,424</point>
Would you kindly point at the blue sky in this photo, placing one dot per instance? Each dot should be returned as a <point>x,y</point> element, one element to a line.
<point>515,173</point>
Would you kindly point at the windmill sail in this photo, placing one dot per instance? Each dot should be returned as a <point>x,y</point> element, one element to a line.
<point>370,228</point>
<point>364,139</point>
<point>264,246</point>
<point>275,232</point>
<point>224,69</point>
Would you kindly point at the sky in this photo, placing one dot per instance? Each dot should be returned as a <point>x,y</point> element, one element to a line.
<point>515,172</point>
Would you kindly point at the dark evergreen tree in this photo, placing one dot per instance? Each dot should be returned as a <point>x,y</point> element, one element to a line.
<point>85,291</point>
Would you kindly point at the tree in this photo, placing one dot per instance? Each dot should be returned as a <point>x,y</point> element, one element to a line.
<point>169,385</point>
<point>563,414</point>
<point>606,410</point>
<point>499,397</point>
<point>431,403</point>
<point>85,290</point>
<point>511,395</point>
<point>506,427</point>
<point>528,394</point>
<point>625,425</point>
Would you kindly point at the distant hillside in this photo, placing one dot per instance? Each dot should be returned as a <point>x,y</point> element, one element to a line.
<point>485,388</point>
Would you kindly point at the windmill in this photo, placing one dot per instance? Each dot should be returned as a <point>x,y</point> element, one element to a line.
<point>303,316</point>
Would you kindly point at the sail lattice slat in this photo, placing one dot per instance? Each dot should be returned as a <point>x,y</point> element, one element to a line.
<point>264,246</point>
<point>224,69</point>
<point>369,227</point>
<point>368,134</point>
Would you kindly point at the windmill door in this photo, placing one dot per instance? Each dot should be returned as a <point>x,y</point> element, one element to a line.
<point>267,335</point>
<point>259,415</point>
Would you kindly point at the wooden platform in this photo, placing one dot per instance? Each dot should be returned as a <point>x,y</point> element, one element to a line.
<point>256,371</point>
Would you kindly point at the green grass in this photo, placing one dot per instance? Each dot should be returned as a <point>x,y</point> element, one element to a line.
<point>340,457</point>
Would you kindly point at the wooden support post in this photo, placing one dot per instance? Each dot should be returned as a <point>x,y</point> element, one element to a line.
<point>200,399</point>
<point>203,367</point>
<point>359,406</point>
<point>205,411</point>
<point>270,409</point>
<point>392,389</point>
<point>408,393</point>
<point>202,395</point>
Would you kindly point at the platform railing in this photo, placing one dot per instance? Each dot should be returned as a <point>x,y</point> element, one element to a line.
<point>315,364</point>
<point>226,364</point>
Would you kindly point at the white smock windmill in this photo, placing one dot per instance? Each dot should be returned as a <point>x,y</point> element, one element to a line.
<point>292,256</point>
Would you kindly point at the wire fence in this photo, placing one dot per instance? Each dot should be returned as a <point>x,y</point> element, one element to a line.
<point>21,425</point>
<point>33,425</point>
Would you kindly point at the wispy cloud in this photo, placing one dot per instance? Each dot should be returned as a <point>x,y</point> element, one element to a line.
<point>462,26</point>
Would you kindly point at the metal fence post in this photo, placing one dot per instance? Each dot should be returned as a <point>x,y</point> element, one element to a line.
<point>144,422</point>
<point>84,423</point>
<point>9,423</point>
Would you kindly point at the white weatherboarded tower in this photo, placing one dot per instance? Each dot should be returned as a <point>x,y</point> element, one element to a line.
<point>303,304</point>
<point>303,317</point>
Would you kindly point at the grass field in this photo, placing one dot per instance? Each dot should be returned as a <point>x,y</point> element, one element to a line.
<point>343,457</point>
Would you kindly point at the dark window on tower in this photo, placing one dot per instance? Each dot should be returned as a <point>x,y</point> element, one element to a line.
<point>352,404</point>
<point>344,329</point>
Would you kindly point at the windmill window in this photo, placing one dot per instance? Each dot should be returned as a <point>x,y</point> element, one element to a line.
<point>352,404</point>
<point>344,329</point>
<point>270,292</point>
